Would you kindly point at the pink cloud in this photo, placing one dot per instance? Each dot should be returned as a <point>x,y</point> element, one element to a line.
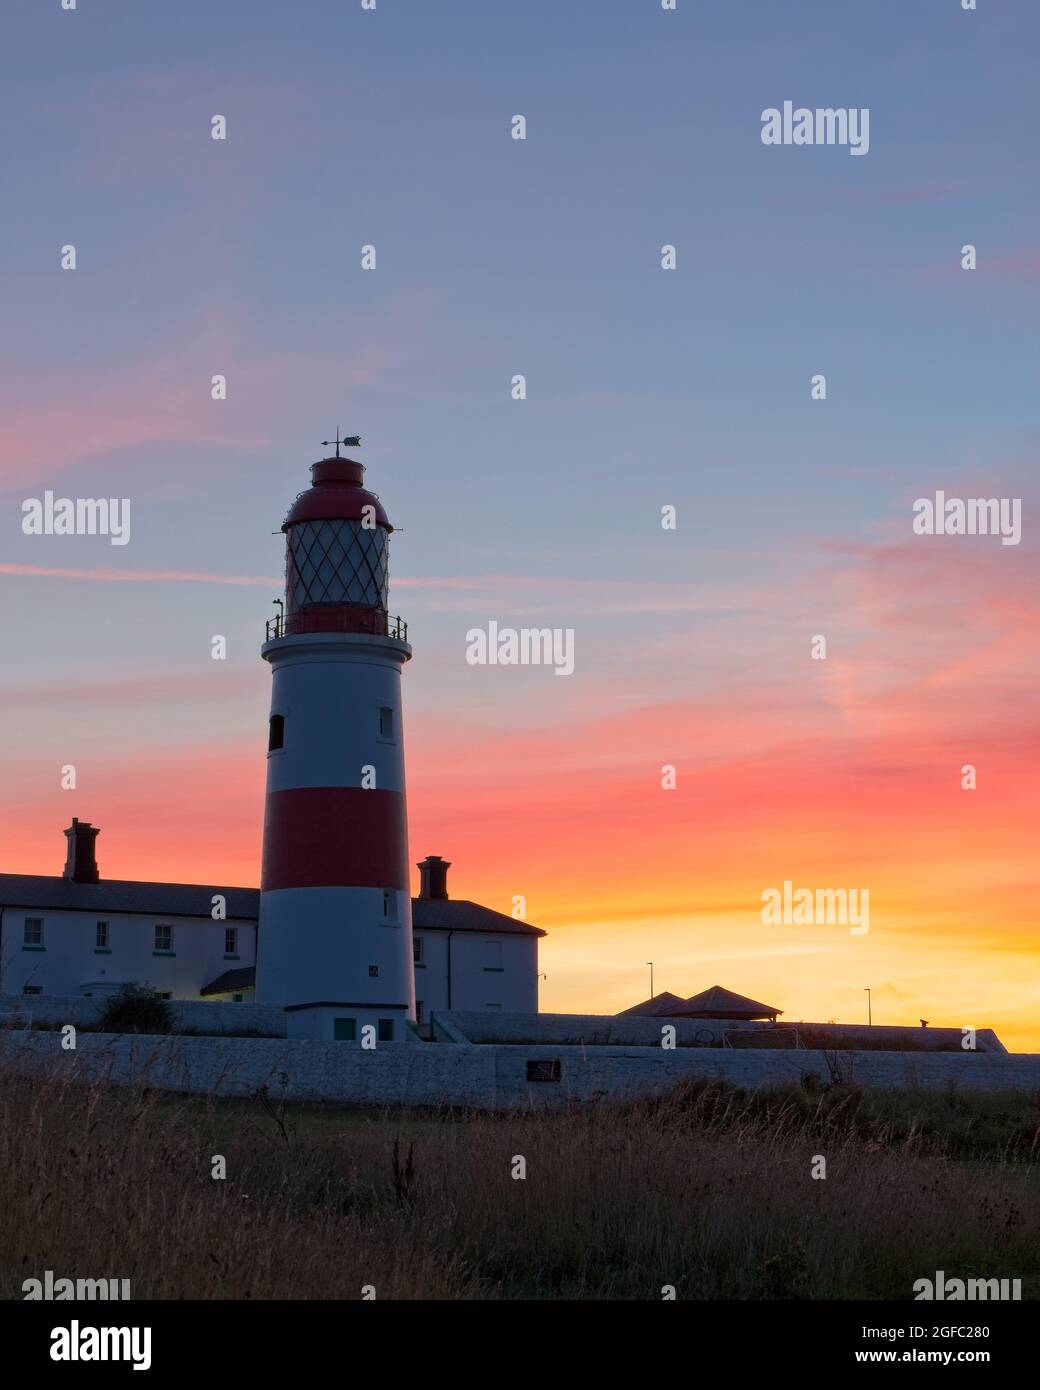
<point>169,688</point>
<point>161,395</point>
<point>507,592</point>
<point>111,409</point>
<point>114,576</point>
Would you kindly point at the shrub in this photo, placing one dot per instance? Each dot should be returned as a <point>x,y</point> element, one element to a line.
<point>136,1009</point>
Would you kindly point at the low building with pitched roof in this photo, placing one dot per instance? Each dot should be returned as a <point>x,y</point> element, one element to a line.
<point>77,933</point>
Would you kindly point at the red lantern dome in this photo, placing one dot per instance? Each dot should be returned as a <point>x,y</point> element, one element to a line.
<point>336,494</point>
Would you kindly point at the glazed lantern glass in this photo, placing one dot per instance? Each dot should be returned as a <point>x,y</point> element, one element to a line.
<point>336,562</point>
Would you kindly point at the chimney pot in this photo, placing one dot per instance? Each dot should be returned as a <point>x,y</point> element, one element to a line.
<point>433,877</point>
<point>80,859</point>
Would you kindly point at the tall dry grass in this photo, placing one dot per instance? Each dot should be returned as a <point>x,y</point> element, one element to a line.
<point>708,1190</point>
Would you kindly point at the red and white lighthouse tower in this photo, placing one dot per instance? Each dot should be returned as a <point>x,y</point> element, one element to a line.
<point>335,933</point>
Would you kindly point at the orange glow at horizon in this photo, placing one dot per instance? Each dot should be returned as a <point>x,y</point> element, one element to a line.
<point>620,871</point>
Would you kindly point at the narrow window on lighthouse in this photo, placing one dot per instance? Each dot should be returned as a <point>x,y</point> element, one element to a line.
<point>276,733</point>
<point>389,906</point>
<point>386,722</point>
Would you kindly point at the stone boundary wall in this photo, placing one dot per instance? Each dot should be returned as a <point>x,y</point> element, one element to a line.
<point>492,1077</point>
<point>461,1025</point>
<point>578,1030</point>
<point>465,1027</point>
<point>188,1013</point>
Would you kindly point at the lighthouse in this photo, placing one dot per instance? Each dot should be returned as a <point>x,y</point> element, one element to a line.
<point>334,944</point>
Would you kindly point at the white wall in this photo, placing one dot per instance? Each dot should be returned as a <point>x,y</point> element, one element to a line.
<point>70,957</point>
<point>475,984</point>
<point>330,686</point>
<point>320,1024</point>
<point>320,943</point>
<point>495,1077</point>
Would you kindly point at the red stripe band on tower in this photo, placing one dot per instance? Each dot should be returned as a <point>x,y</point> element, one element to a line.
<point>335,837</point>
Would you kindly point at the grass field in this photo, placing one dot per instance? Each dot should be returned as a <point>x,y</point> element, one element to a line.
<point>709,1190</point>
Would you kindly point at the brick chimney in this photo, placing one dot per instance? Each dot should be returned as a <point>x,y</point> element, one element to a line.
<point>433,881</point>
<point>80,861</point>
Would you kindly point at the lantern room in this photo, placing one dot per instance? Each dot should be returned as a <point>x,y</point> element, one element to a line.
<point>337,556</point>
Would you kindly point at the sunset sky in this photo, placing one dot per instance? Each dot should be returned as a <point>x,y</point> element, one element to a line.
<point>645,388</point>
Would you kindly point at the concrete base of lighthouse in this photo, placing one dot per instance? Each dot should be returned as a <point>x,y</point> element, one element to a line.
<point>363,959</point>
<point>344,1023</point>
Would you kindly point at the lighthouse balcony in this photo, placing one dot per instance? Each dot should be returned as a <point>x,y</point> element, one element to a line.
<point>337,618</point>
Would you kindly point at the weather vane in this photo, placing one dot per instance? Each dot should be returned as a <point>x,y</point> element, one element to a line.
<point>352,441</point>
